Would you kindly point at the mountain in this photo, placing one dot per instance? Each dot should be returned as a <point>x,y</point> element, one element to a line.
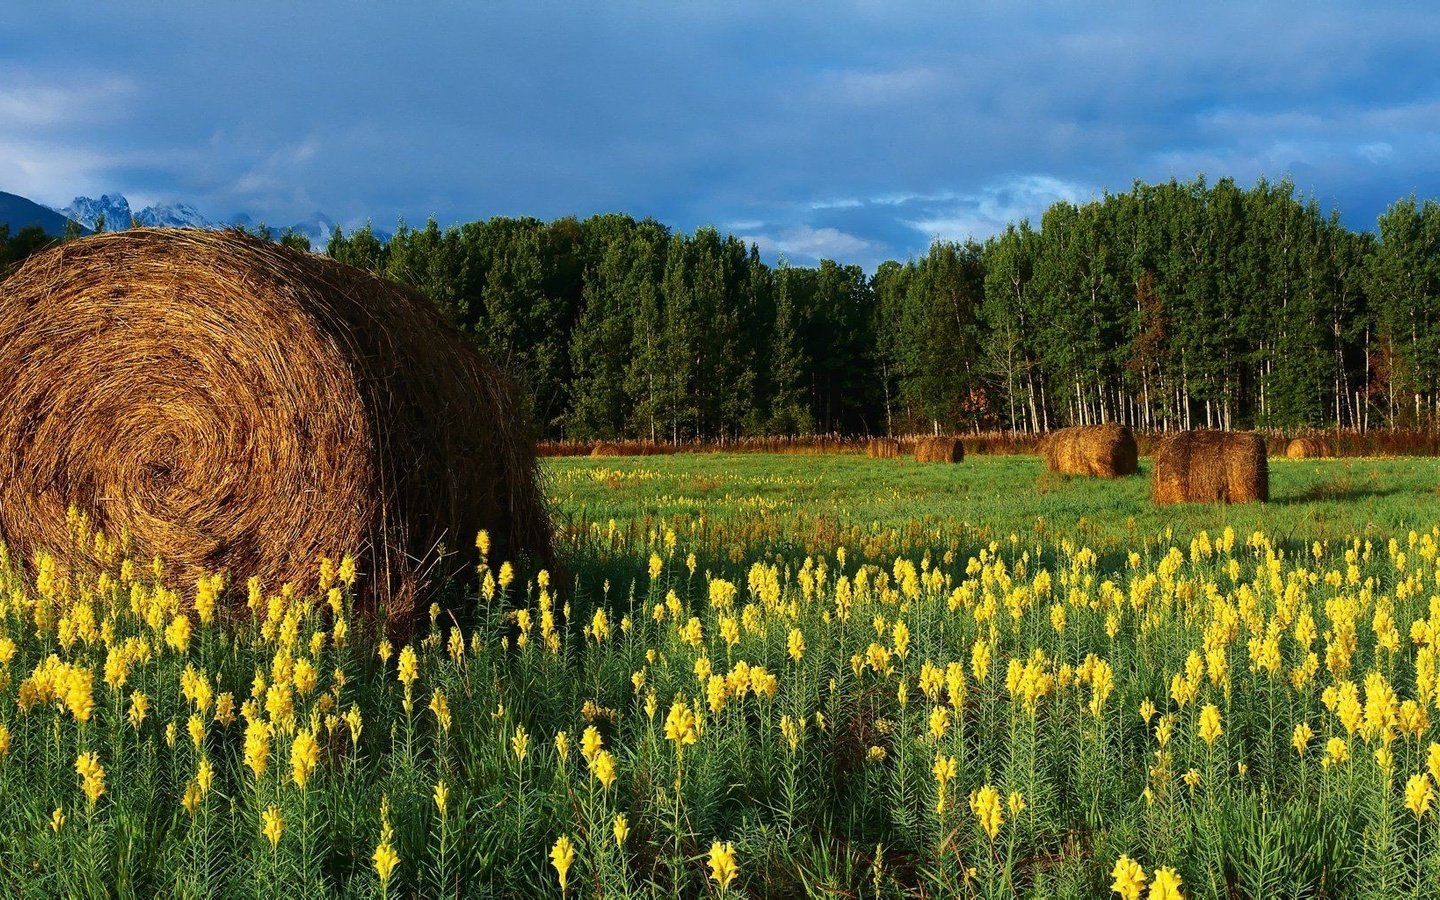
<point>118,216</point>
<point>87,211</point>
<point>173,215</point>
<point>18,213</point>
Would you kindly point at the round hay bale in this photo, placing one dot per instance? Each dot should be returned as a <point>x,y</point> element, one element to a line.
<point>1309,448</point>
<point>882,448</point>
<point>233,405</point>
<point>939,450</point>
<point>1210,466</point>
<point>1104,451</point>
<point>607,448</point>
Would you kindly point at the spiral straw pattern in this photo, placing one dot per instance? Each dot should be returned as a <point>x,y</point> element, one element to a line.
<point>232,405</point>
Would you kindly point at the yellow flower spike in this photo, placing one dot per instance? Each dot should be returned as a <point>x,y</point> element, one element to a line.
<point>795,644</point>
<point>939,722</point>
<point>441,796</point>
<point>1419,792</point>
<point>621,829</point>
<point>257,746</point>
<point>1336,752</point>
<point>191,799</point>
<point>409,667</point>
<point>385,859</point>
<point>1210,729</point>
<point>562,857</point>
<point>57,819</point>
<point>1300,738</point>
<point>1166,885</point>
<point>1147,712</point>
<point>520,743</point>
<point>680,725</point>
<point>602,766</point>
<point>304,755</point>
<point>139,706</point>
<point>440,706</point>
<point>590,742</point>
<point>986,806</point>
<point>723,870</point>
<point>272,825</point>
<point>92,776</point>
<point>1129,878</point>
<point>1016,803</point>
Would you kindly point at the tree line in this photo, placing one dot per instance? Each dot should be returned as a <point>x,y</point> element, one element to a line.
<point>1182,304</point>
<point>1174,305</point>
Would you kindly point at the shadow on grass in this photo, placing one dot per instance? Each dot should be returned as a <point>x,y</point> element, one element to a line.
<point>1338,490</point>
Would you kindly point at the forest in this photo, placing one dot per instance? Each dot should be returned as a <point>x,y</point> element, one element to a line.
<point>1175,305</point>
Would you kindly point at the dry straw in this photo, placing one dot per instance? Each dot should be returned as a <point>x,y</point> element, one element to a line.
<point>1309,448</point>
<point>939,449</point>
<point>1209,466</point>
<point>607,448</point>
<point>1105,451</point>
<point>233,405</point>
<point>882,448</point>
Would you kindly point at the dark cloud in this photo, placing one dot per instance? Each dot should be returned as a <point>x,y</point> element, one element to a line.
<point>861,131</point>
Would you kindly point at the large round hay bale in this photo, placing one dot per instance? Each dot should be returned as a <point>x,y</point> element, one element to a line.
<point>230,404</point>
<point>606,448</point>
<point>1311,447</point>
<point>939,450</point>
<point>882,448</point>
<point>1209,466</point>
<point>1105,451</point>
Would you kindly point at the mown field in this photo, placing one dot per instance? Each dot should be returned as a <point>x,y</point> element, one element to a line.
<point>771,676</point>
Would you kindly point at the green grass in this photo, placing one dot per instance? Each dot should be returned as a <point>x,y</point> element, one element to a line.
<point>988,496</point>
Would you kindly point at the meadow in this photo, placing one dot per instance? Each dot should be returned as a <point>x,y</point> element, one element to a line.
<point>764,675</point>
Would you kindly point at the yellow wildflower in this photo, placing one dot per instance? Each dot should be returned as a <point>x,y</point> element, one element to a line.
<point>723,870</point>
<point>1210,723</point>
<point>272,825</point>
<point>1418,794</point>
<point>985,804</point>
<point>1166,885</point>
<point>304,755</point>
<point>562,855</point>
<point>1129,878</point>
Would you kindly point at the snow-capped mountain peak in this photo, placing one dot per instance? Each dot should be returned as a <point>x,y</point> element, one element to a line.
<point>87,211</point>
<point>172,215</point>
<point>118,216</point>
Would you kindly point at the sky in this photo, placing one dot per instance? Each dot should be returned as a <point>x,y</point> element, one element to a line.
<point>856,131</point>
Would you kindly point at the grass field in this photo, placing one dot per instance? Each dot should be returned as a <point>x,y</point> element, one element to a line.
<point>770,676</point>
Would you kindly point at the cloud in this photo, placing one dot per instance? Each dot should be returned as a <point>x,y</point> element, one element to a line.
<point>28,103</point>
<point>812,244</point>
<point>1376,152</point>
<point>957,217</point>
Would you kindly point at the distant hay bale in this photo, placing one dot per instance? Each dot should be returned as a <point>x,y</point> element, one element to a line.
<point>230,404</point>
<point>939,450</point>
<point>882,448</point>
<point>607,448</point>
<point>1309,448</point>
<point>1105,451</point>
<point>1209,466</point>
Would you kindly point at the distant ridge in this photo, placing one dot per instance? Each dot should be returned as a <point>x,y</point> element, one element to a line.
<point>18,213</point>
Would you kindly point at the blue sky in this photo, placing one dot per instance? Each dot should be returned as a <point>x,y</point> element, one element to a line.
<point>859,131</point>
